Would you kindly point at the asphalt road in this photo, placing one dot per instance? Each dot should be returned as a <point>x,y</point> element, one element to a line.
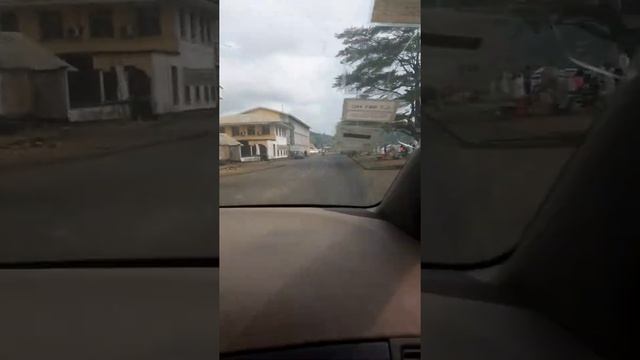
<point>320,180</point>
<point>156,202</point>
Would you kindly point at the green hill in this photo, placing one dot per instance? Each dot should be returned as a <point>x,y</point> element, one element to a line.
<point>321,140</point>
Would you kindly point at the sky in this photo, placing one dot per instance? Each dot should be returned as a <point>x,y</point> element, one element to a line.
<point>281,54</point>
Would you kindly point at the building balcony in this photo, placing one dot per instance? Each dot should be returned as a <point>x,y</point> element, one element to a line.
<point>270,137</point>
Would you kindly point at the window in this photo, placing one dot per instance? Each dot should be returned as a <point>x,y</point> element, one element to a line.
<point>203,30</point>
<point>197,93</point>
<point>110,82</point>
<point>50,23</point>
<point>212,29</point>
<point>251,130</point>
<point>148,21</point>
<point>9,21</point>
<point>183,23</point>
<point>174,85</point>
<point>101,24</point>
<point>194,29</point>
<point>187,94</point>
<point>265,129</point>
<point>207,95</point>
<point>235,131</point>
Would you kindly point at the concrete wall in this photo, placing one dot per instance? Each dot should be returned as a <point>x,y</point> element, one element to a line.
<point>257,136</point>
<point>107,61</point>
<point>105,112</point>
<point>51,96</point>
<point>40,94</point>
<point>224,153</point>
<point>301,135</point>
<point>158,67</point>
<point>78,16</point>
<point>229,153</point>
<point>197,54</point>
<point>16,94</point>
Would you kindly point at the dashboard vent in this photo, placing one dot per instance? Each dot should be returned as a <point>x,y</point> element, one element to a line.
<point>405,349</point>
<point>410,352</point>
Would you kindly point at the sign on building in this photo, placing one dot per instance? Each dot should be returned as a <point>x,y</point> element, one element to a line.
<point>358,138</point>
<point>396,12</point>
<point>369,110</point>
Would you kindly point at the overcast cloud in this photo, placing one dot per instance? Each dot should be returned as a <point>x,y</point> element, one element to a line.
<point>281,53</point>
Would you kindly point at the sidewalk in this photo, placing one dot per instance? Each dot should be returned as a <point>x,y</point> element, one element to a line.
<point>249,167</point>
<point>371,162</point>
<point>71,141</point>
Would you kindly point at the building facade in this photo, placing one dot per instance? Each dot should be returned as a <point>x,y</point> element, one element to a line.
<point>266,133</point>
<point>163,52</point>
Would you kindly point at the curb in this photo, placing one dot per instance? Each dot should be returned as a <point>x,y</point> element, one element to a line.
<point>252,171</point>
<point>101,154</point>
<point>388,167</point>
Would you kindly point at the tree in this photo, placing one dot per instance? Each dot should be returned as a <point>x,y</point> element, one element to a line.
<point>385,63</point>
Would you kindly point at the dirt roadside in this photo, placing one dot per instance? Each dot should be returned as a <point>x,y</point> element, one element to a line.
<point>371,162</point>
<point>249,167</point>
<point>66,142</point>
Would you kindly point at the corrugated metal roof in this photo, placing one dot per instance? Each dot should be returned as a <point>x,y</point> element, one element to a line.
<point>20,52</point>
<point>226,140</point>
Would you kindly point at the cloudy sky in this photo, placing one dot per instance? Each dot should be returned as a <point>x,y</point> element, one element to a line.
<point>281,53</point>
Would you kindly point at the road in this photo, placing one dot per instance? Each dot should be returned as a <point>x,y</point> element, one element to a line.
<point>322,180</point>
<point>159,201</point>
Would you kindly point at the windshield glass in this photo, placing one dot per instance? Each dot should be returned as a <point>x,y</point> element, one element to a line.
<point>319,104</point>
<point>511,91</point>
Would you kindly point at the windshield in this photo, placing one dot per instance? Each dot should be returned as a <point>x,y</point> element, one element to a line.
<point>319,105</point>
<point>511,91</point>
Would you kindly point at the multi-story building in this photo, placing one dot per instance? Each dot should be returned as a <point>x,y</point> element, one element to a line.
<point>161,51</point>
<point>266,133</point>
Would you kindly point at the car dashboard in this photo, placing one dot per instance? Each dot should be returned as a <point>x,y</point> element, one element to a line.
<point>323,283</point>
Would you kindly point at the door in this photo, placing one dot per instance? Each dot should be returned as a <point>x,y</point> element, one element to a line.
<point>174,85</point>
<point>263,152</point>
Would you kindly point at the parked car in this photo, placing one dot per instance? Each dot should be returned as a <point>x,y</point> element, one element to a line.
<point>297,155</point>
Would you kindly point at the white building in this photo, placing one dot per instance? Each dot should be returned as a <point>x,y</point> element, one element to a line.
<point>266,133</point>
<point>161,51</point>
